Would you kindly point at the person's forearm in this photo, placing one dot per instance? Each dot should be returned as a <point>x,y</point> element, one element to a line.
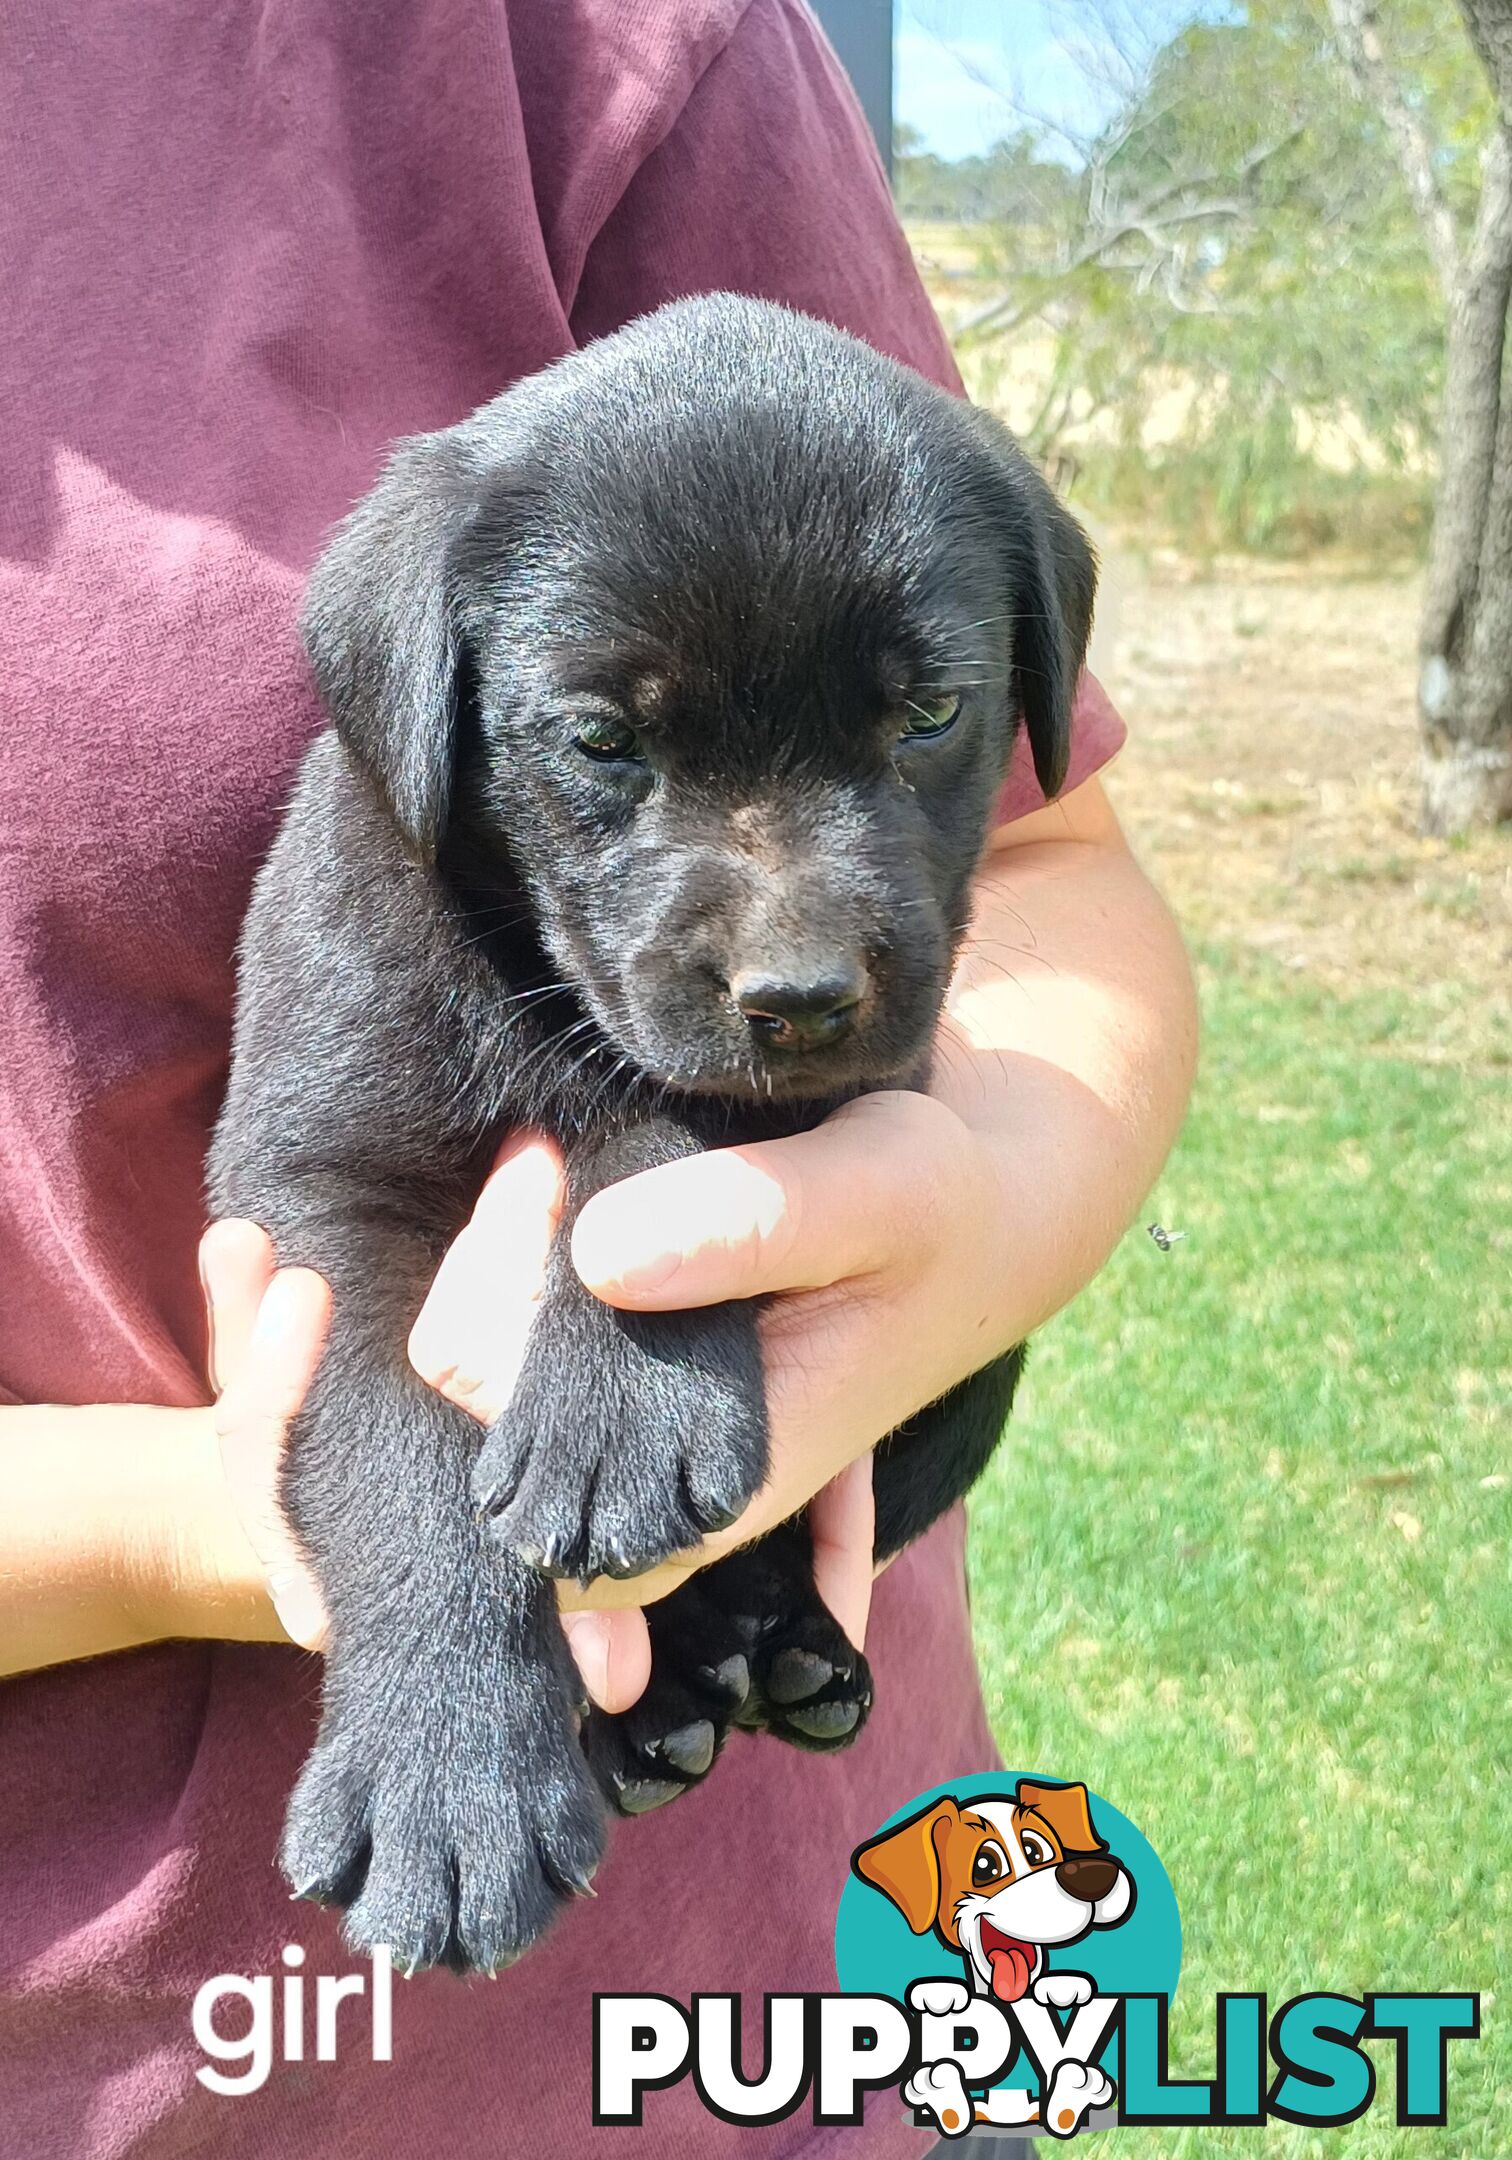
<point>103,1542</point>
<point>1069,1048</point>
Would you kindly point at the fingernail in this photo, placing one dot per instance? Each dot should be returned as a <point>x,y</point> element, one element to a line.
<point>278,1314</point>
<point>645,1276</point>
<point>297,1603</point>
<point>212,1363</point>
<point>530,1169</point>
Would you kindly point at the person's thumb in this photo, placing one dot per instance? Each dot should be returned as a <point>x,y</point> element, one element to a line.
<point>844,1200</point>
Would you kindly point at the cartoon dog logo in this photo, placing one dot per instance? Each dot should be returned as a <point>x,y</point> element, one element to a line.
<point>1001,1880</point>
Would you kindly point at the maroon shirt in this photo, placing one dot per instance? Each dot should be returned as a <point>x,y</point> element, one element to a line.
<point>246,245</point>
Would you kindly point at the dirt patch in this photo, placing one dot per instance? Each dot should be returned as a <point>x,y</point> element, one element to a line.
<point>1270,784</point>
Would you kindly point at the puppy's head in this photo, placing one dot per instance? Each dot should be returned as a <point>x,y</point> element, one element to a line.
<point>1002,1879</point>
<point>714,638</point>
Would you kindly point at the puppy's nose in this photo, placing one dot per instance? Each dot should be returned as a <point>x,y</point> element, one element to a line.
<point>796,1013</point>
<point>1089,1879</point>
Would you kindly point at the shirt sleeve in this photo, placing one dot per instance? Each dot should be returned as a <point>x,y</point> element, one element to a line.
<point>769,183</point>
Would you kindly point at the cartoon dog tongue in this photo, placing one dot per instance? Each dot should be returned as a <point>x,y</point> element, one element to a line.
<point>1012,1964</point>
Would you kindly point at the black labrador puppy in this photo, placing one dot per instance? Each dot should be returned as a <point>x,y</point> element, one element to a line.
<point>671,694</point>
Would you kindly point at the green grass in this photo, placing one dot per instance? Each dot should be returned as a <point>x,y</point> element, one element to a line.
<point>1239,1564</point>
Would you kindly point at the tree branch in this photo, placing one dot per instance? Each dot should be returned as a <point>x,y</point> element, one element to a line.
<point>1150,220</point>
<point>1358,33</point>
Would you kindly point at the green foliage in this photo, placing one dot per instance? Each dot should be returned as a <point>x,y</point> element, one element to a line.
<point>1247,335</point>
<point>1012,183</point>
<point>1241,1561</point>
<point>1251,487</point>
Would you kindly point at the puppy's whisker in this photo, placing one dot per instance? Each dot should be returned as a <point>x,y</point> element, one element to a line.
<point>546,1052</point>
<point>987,945</point>
<point>520,910</point>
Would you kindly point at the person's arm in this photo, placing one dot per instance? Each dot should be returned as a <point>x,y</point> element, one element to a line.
<point>125,1524</point>
<point>1070,1043</point>
<point>116,1529</point>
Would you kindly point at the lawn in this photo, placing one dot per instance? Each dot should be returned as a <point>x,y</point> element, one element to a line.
<point>1244,1563</point>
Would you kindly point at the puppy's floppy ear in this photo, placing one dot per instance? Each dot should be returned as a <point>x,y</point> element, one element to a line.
<point>904,1864</point>
<point>1065,1809</point>
<point>1052,573</point>
<point>380,626</point>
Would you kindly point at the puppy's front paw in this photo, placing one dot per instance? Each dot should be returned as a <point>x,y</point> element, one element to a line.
<point>450,1817</point>
<point>1062,1990</point>
<point>940,2090</point>
<point>939,1998</point>
<point>1075,2090</point>
<point>628,1437</point>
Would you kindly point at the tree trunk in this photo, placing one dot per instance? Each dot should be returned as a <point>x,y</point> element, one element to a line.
<point>1465,685</point>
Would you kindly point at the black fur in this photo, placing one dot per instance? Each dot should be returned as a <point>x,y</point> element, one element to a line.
<point>760,545</point>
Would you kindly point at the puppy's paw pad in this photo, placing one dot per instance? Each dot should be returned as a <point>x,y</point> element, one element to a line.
<point>691,1748</point>
<point>811,1688</point>
<point>638,1796</point>
<point>939,1998</point>
<point>829,1724</point>
<point>1062,1990</point>
<point>729,1679</point>
<point>656,1751</point>
<point>940,2090</point>
<point>794,1675</point>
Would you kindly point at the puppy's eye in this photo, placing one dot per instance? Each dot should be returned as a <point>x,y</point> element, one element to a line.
<point>926,717</point>
<point>606,741</point>
<point>1036,1851</point>
<point>989,1866</point>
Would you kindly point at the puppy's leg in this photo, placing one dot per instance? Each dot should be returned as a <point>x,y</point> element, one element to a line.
<point>446,1803</point>
<point>629,1435</point>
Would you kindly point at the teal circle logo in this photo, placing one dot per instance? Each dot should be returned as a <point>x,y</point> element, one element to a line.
<point>1019,1888</point>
